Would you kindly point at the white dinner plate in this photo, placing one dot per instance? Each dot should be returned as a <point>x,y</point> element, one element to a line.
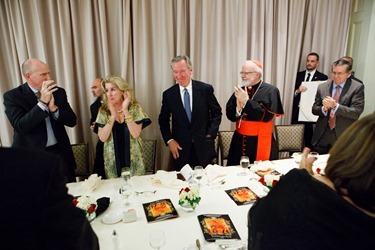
<point>112,217</point>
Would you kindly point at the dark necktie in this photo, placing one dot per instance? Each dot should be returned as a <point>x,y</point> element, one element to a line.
<point>187,104</point>
<point>37,94</point>
<point>308,77</point>
<point>332,116</point>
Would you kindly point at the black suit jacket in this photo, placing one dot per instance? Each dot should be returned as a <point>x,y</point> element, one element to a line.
<point>36,210</point>
<point>318,76</point>
<point>205,120</point>
<point>94,109</point>
<point>28,120</point>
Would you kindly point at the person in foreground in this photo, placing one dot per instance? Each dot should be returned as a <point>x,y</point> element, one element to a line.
<point>39,111</point>
<point>252,107</point>
<point>36,210</point>
<point>120,121</point>
<point>196,116</point>
<point>331,211</point>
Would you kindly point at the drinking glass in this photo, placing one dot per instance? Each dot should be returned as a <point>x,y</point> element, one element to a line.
<point>244,162</point>
<point>157,239</point>
<point>198,174</point>
<point>126,174</point>
<point>126,191</point>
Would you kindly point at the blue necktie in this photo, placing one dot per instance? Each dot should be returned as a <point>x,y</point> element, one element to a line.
<point>187,104</point>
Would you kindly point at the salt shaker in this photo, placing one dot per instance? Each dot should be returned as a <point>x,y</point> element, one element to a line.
<point>115,240</point>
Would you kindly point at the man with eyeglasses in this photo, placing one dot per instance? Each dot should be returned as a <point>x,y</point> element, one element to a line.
<point>196,116</point>
<point>308,75</point>
<point>338,103</point>
<point>252,107</point>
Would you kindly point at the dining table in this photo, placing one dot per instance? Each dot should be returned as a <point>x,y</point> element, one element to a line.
<point>184,231</point>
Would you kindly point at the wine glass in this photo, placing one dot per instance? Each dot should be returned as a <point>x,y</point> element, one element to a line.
<point>198,174</point>
<point>157,239</point>
<point>244,162</point>
<point>126,174</point>
<point>126,191</point>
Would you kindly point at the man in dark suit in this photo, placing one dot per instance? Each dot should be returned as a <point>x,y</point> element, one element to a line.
<point>96,90</point>
<point>338,103</point>
<point>196,116</point>
<point>39,111</point>
<point>350,60</point>
<point>36,210</point>
<point>308,75</point>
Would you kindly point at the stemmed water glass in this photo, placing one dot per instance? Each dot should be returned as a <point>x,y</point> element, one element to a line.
<point>126,191</point>
<point>244,162</point>
<point>126,174</point>
<point>198,174</point>
<point>157,239</point>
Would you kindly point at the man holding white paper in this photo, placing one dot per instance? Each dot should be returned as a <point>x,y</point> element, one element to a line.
<point>304,84</point>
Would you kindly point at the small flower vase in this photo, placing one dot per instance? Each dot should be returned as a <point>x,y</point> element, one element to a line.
<point>91,216</point>
<point>187,207</point>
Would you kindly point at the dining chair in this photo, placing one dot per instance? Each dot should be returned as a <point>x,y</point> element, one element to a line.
<point>289,138</point>
<point>225,137</point>
<point>149,155</point>
<point>81,156</point>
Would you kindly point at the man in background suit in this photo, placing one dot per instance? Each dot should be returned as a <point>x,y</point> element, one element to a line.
<point>338,103</point>
<point>350,60</point>
<point>39,111</point>
<point>36,210</point>
<point>191,135</point>
<point>308,75</point>
<point>96,90</point>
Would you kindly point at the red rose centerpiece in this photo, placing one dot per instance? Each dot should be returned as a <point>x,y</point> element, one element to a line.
<point>85,203</point>
<point>189,198</point>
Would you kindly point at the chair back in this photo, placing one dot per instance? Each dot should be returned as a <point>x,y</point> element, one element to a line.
<point>149,155</point>
<point>289,138</point>
<point>225,138</point>
<point>81,156</point>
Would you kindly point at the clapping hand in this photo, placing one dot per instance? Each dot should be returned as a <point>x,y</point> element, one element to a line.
<point>241,95</point>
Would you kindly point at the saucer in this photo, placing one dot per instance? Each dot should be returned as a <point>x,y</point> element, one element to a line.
<point>112,217</point>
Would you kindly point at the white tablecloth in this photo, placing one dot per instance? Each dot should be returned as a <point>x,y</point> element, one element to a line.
<point>180,232</point>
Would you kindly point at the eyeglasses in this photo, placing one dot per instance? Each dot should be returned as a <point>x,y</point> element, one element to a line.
<point>246,73</point>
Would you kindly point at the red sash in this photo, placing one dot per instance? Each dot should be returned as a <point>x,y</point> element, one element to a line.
<point>264,132</point>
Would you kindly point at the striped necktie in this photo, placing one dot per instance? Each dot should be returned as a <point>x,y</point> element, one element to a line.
<point>332,116</point>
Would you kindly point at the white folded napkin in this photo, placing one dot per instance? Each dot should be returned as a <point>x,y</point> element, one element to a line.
<point>91,183</point>
<point>262,166</point>
<point>215,173</point>
<point>167,179</point>
<point>187,172</point>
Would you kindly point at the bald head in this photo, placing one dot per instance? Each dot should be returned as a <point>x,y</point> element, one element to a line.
<point>36,72</point>
<point>96,87</point>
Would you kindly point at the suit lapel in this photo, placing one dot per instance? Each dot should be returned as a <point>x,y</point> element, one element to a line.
<point>29,95</point>
<point>176,95</point>
<point>196,100</point>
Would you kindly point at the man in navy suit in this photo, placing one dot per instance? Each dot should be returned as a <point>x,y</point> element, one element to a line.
<point>308,75</point>
<point>39,111</point>
<point>196,116</point>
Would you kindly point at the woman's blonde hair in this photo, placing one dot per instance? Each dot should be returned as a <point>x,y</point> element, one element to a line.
<point>123,86</point>
<point>351,164</point>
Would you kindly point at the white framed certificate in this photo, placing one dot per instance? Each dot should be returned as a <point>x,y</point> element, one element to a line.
<point>307,101</point>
